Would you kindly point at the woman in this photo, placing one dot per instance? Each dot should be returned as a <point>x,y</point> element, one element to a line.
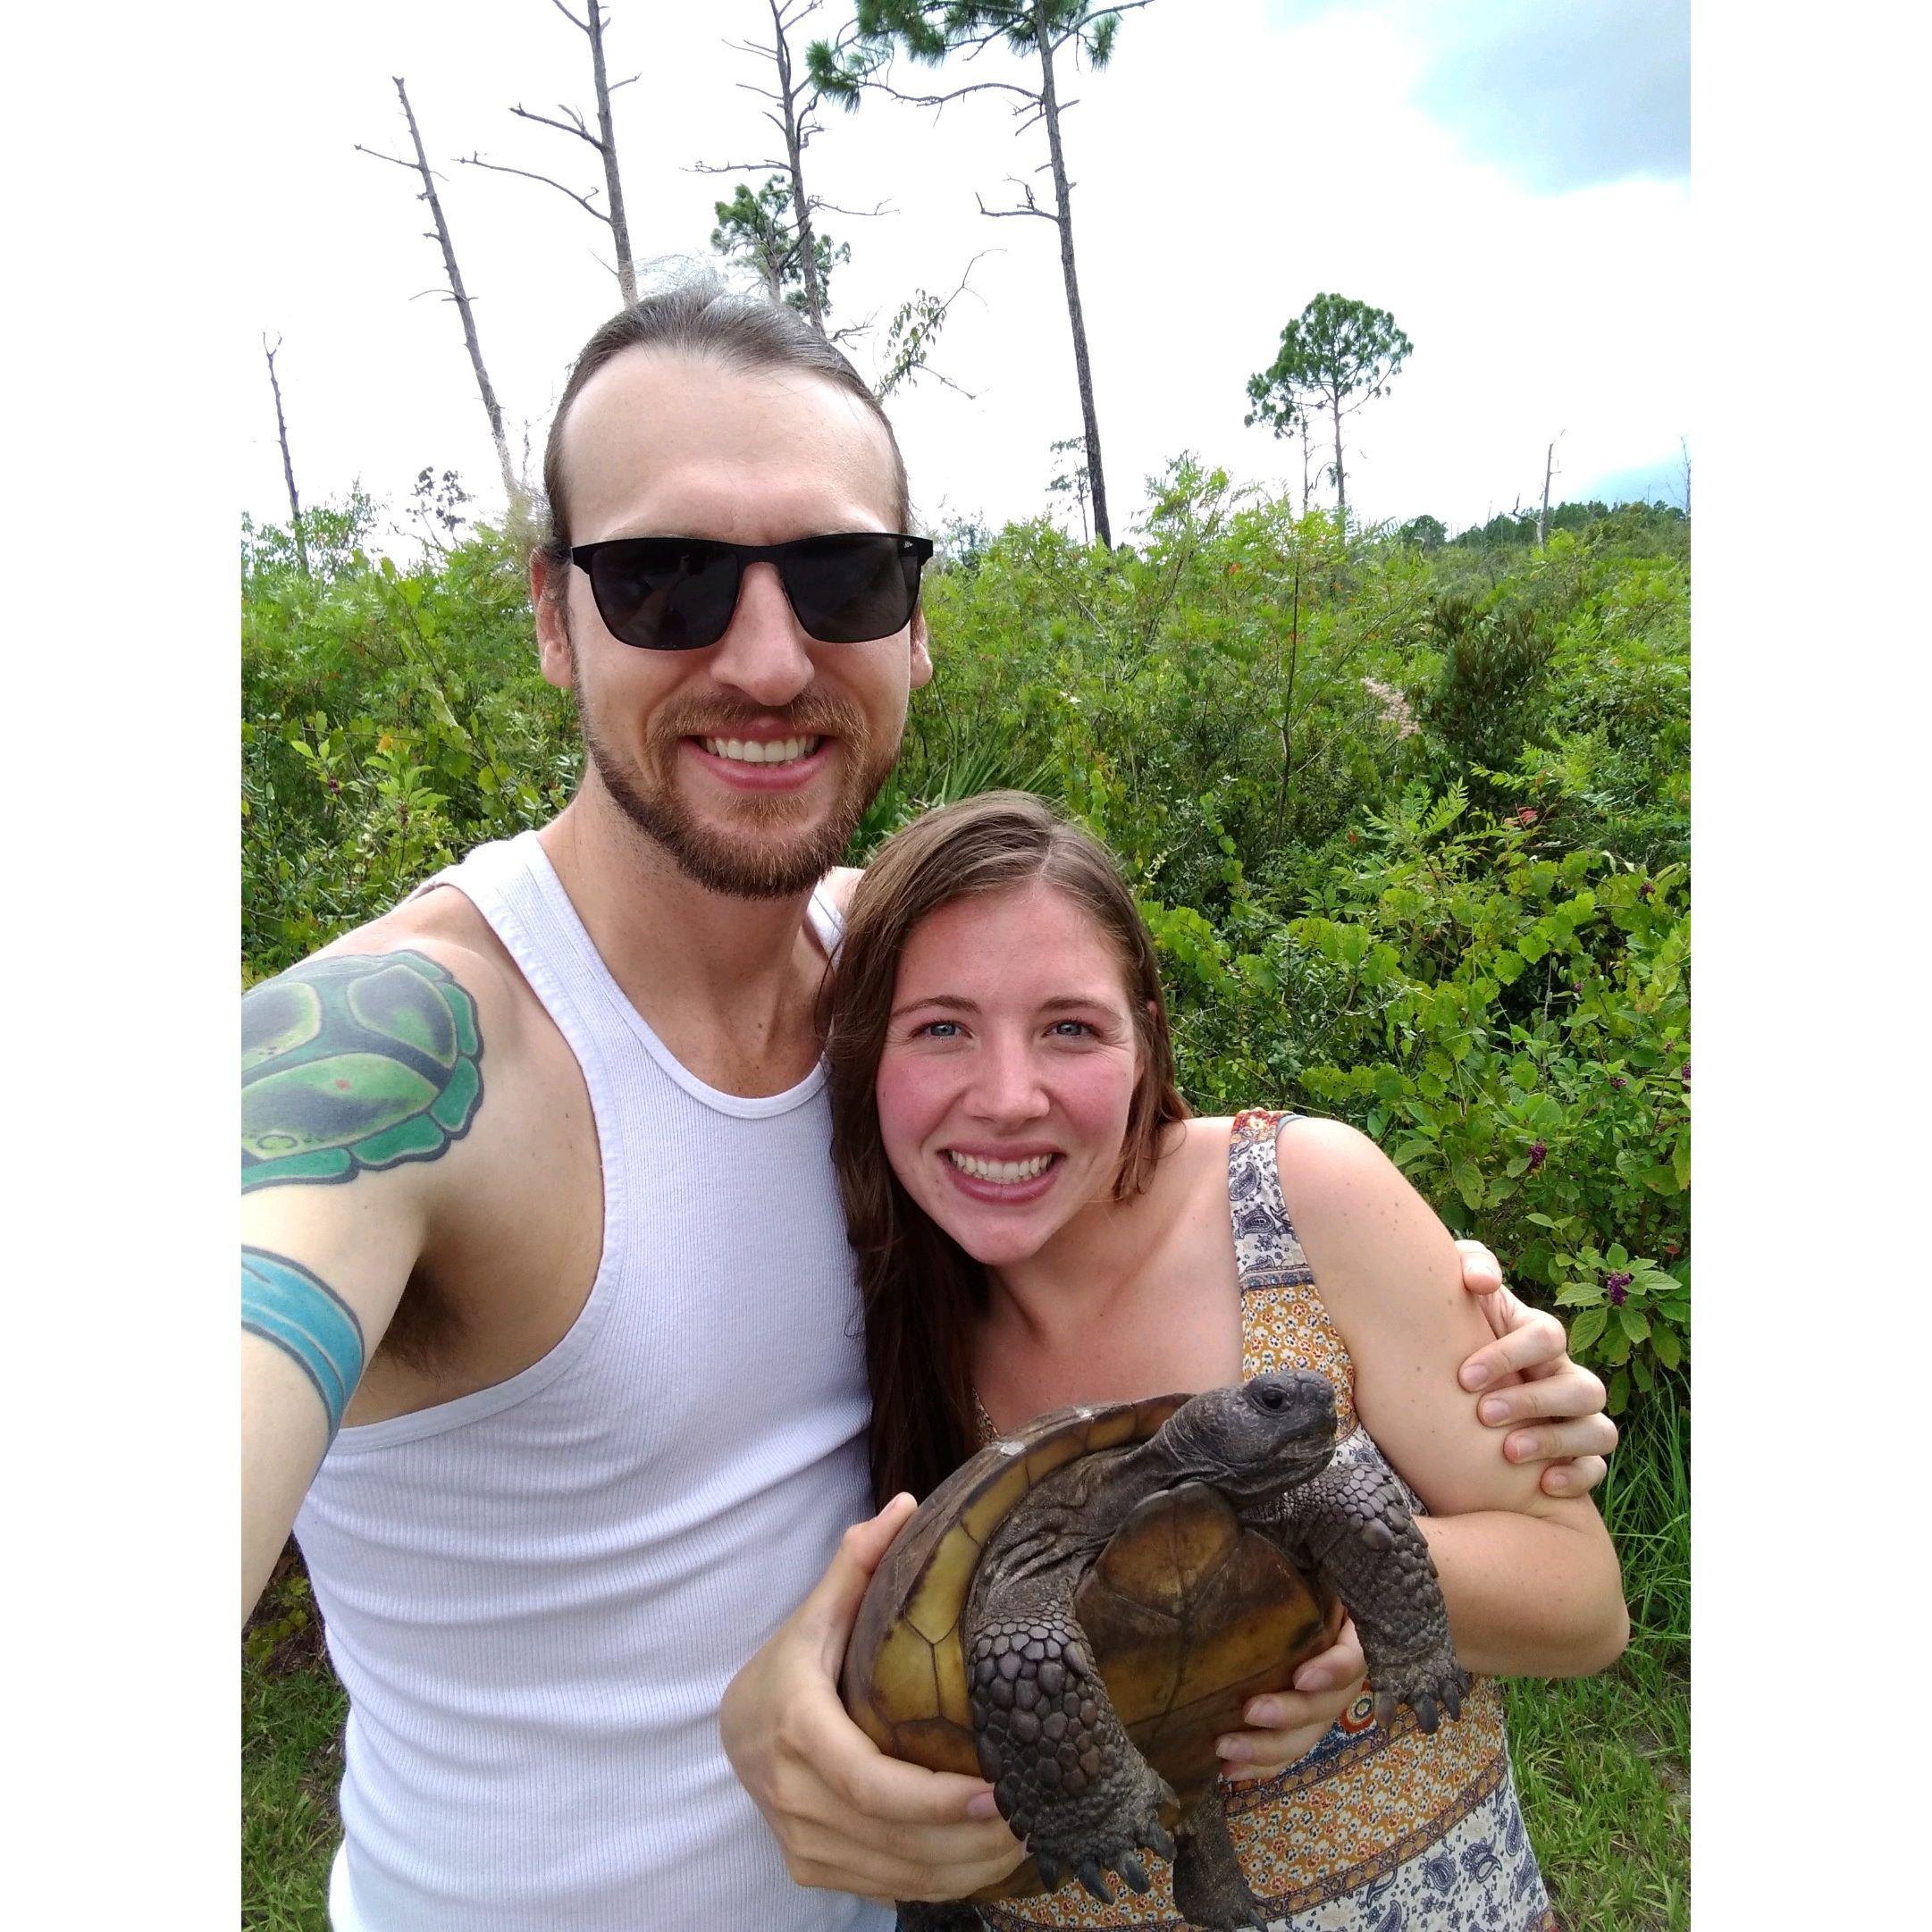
<point>1039,1221</point>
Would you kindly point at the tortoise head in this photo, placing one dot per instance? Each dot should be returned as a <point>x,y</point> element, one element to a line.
<point>1259,1439</point>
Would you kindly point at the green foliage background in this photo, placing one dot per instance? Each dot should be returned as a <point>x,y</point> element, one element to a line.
<point>1408,819</point>
<point>1408,816</point>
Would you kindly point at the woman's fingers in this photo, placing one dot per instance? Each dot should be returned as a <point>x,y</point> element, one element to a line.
<point>1572,1393</point>
<point>1577,1478</point>
<point>1588,1435</point>
<point>1286,1725</point>
<point>1535,1342</point>
<point>1483,1274</point>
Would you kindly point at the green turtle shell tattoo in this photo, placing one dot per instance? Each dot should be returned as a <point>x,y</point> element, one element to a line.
<point>360,1061</point>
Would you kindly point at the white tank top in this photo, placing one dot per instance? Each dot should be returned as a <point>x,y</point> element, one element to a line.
<point>536,1594</point>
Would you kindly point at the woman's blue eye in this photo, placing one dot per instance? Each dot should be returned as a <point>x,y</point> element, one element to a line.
<point>939,1029</point>
<point>1080,1029</point>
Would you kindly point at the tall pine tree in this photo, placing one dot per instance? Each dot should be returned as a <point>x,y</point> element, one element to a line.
<point>1335,355</point>
<point>1036,30</point>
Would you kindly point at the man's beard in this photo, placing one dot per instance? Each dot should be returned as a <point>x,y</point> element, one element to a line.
<point>768,854</point>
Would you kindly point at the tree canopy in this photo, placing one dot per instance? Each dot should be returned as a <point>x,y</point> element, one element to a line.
<point>1335,355</point>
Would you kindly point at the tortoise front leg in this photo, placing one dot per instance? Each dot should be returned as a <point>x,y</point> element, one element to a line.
<point>1064,1773</point>
<point>1352,1525</point>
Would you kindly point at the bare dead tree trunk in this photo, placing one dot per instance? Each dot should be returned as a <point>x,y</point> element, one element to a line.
<point>1684,443</point>
<point>288,467</point>
<point>1543,515</point>
<point>620,231</point>
<point>1064,217</point>
<point>808,252</point>
<point>512,487</point>
<point>605,141</point>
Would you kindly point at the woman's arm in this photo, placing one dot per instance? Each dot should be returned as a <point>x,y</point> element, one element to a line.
<point>1531,1580</point>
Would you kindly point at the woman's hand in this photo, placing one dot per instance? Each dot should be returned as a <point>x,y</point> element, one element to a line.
<point>1552,1407</point>
<point>1288,1724</point>
<point>848,1818</point>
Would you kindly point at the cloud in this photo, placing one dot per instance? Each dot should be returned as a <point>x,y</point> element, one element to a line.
<point>1567,96</point>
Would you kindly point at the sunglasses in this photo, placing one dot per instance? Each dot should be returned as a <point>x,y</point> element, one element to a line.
<point>678,593</point>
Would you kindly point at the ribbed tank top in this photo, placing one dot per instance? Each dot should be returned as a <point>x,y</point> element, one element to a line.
<point>535,1594</point>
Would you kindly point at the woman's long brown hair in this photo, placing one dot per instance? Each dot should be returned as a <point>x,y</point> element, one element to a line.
<point>922,1292</point>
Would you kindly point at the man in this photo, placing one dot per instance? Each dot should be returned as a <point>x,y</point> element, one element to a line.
<point>538,1202</point>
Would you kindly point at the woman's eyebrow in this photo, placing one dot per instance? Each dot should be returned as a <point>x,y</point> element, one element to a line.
<point>958,1004</point>
<point>952,1002</point>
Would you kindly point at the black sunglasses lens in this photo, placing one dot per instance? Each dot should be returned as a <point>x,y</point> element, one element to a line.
<point>848,589</point>
<point>663,593</point>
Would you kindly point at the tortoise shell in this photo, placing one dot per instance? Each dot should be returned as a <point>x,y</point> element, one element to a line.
<point>1188,1615</point>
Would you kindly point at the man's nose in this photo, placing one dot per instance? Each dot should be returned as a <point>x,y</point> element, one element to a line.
<point>762,653</point>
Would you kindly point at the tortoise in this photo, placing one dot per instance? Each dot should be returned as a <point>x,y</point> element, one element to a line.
<point>1080,1610</point>
<point>357,1060</point>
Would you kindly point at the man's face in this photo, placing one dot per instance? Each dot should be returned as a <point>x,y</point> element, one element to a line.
<point>661,444</point>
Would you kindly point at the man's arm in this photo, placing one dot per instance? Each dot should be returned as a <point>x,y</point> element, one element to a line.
<point>360,1071</point>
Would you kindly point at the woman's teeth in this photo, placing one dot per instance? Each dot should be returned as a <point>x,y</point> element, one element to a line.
<point>752,751</point>
<point>1009,1171</point>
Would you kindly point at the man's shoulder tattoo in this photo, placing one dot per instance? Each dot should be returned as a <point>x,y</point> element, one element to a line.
<point>358,1061</point>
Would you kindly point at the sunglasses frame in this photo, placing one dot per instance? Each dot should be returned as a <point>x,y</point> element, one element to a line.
<point>582,555</point>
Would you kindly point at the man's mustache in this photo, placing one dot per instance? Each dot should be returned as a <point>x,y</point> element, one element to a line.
<point>809,715</point>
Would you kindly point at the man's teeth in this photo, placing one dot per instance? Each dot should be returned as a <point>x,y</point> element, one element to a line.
<point>754,751</point>
<point>969,1163</point>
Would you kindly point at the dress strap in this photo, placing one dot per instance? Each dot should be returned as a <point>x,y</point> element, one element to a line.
<point>1266,1250</point>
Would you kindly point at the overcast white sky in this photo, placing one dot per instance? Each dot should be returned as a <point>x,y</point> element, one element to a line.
<point>1507,178</point>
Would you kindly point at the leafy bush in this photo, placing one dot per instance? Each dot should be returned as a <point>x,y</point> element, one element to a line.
<point>1279,729</point>
<point>1513,1026</point>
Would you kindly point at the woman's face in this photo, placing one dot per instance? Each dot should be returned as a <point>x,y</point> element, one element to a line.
<point>1009,1069</point>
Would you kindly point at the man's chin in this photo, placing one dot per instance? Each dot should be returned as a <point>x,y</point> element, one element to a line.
<point>754,871</point>
<point>777,849</point>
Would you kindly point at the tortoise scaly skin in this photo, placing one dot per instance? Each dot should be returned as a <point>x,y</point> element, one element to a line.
<point>1082,1608</point>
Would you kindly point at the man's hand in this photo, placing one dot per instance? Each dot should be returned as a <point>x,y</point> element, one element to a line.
<point>848,1818</point>
<point>1533,1383</point>
<point>1288,1724</point>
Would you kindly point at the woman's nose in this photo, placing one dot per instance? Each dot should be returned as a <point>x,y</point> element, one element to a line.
<point>1007,1084</point>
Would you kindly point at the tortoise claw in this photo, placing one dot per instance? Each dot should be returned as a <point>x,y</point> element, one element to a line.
<point>1386,1706</point>
<point>1127,1864</point>
<point>1089,1872</point>
<point>1426,1714</point>
<point>1452,1700</point>
<point>1159,1841</point>
<point>1049,1869</point>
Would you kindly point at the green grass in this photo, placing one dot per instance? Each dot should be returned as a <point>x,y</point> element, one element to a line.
<point>291,1761</point>
<point>1602,1764</point>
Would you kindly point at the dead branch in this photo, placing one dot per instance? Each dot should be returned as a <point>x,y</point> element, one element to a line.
<point>563,127</point>
<point>287,464</point>
<point>512,487</point>
<point>1032,206</point>
<point>498,167</point>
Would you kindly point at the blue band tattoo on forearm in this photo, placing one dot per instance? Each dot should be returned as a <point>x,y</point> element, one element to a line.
<point>303,1317</point>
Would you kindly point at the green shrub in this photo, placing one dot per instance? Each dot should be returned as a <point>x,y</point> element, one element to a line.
<point>1277,728</point>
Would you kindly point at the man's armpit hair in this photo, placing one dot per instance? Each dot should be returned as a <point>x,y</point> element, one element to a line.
<point>354,1062</point>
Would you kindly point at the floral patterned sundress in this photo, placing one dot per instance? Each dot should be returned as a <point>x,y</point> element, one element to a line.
<point>1376,1829</point>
